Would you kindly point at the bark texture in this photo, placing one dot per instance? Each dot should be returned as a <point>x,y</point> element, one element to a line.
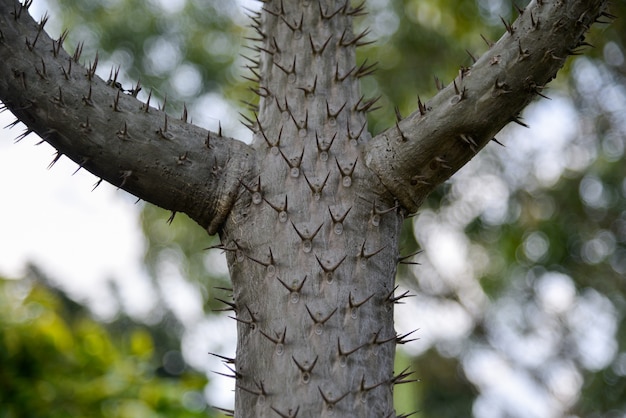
<point>313,285</point>
<point>310,213</point>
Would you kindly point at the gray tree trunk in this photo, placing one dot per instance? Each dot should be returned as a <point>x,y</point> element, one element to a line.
<point>310,213</point>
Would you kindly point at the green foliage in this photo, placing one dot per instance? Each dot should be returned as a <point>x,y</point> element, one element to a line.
<point>57,361</point>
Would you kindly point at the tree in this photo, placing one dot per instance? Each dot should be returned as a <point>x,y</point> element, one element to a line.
<point>315,304</point>
<point>56,361</point>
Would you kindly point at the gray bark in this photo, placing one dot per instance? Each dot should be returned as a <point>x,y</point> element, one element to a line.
<point>309,214</point>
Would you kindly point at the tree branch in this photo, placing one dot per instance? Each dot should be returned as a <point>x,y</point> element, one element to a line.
<point>431,144</point>
<point>107,131</point>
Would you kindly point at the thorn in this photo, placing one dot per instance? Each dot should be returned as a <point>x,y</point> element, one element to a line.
<point>330,403</point>
<point>293,163</point>
<point>327,16</point>
<point>401,378</point>
<point>469,140</point>
<point>317,189</point>
<point>58,44</point>
<point>227,412</point>
<point>306,237</point>
<point>112,81</point>
<point>403,259</point>
<point>471,56</point>
<point>319,322</point>
<point>225,359</point>
<point>353,137</point>
<point>401,339</point>
<point>358,10</point>
<point>517,119</point>
<point>421,106</point>
<point>365,70</point>
<point>235,375</point>
<point>333,115</point>
<point>523,53</point>
<point>135,91</point>
<point>96,184</point>
<point>499,88</point>
<point>260,392</point>
<point>123,133</point>
<point>342,78</point>
<point>125,175</point>
<point>294,290</point>
<point>367,256</point>
<point>91,70</point>
<point>460,94</point>
<point>279,340</point>
<point>279,106</point>
<point>347,173</point>
<point>289,414</point>
<point>309,91</point>
<point>507,25</point>
<point>438,84</point>
<point>408,414</point>
<point>77,52</point>
<point>163,133</point>
<point>367,106</point>
<point>489,43</point>
<point>398,114</point>
<point>255,191</point>
<point>58,100</point>
<point>320,50</point>
<point>533,22</point>
<point>232,305</point>
<point>250,123</point>
<point>12,124</point>
<point>343,355</point>
<point>252,322</point>
<point>355,40</point>
<point>497,142</point>
<point>324,148</point>
<point>396,299</point>
<point>56,158</point>
<point>42,74</point>
<point>23,135</point>
<point>329,270</point>
<point>185,114</point>
<point>338,220</point>
<point>305,368</point>
<point>281,210</point>
<point>171,218</point>
<point>402,136</point>
<point>87,100</point>
<point>296,26</point>
<point>116,102</point>
<point>147,106</point>
<point>364,388</point>
<point>354,305</point>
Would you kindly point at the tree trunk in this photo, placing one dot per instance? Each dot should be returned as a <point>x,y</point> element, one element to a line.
<point>310,213</point>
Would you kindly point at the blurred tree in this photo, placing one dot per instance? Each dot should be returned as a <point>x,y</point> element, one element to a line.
<point>535,237</point>
<point>57,361</point>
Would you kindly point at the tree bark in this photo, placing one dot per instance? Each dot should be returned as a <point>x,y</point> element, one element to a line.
<point>310,213</point>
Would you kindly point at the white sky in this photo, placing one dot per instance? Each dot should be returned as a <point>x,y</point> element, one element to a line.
<point>52,218</point>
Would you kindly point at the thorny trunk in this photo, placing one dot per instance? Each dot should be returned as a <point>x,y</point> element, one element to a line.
<point>313,286</point>
<point>310,213</point>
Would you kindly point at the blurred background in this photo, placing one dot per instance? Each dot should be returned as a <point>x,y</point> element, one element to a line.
<point>108,310</point>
